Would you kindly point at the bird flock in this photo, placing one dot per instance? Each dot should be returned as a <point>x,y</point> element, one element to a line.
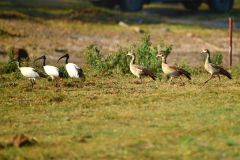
<point>175,72</point>
<point>74,71</point>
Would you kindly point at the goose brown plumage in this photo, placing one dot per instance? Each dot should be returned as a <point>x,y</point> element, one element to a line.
<point>172,71</point>
<point>214,69</point>
<point>139,71</point>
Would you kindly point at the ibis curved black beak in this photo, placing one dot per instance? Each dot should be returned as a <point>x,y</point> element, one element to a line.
<point>66,55</point>
<point>42,57</point>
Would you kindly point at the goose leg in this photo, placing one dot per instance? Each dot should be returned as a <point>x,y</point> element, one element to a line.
<point>141,79</point>
<point>219,77</point>
<point>170,81</point>
<point>208,79</point>
<point>180,78</point>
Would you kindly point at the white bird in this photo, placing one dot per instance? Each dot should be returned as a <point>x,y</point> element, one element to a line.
<point>72,69</point>
<point>28,72</point>
<point>51,71</point>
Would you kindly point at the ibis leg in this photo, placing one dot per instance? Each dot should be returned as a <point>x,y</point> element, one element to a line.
<point>31,83</point>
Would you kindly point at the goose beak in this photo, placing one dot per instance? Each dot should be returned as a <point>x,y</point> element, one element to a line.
<point>205,51</point>
<point>129,54</point>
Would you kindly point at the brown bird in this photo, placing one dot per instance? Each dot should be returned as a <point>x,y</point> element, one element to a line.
<point>139,71</point>
<point>172,71</point>
<point>213,69</point>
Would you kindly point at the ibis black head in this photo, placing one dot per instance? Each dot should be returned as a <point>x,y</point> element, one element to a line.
<point>64,56</point>
<point>42,57</point>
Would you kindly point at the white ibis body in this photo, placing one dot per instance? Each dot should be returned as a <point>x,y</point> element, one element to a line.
<point>29,72</point>
<point>214,69</point>
<point>51,71</point>
<point>72,69</point>
<point>139,71</point>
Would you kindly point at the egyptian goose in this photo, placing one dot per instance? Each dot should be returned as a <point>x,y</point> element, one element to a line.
<point>29,72</point>
<point>214,69</point>
<point>139,71</point>
<point>72,69</point>
<point>172,71</point>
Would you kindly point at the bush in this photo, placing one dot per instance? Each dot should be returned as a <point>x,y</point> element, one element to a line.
<point>146,55</point>
<point>9,67</point>
<point>118,62</point>
<point>95,60</point>
<point>217,58</point>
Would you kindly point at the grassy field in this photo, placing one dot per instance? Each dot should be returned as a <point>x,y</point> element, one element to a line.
<point>110,116</point>
<point>114,118</point>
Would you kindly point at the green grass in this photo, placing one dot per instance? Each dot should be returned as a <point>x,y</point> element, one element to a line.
<point>111,117</point>
<point>114,118</point>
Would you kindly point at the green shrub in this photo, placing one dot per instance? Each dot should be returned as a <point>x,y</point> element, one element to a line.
<point>166,49</point>
<point>146,54</point>
<point>64,71</point>
<point>217,58</point>
<point>118,62</point>
<point>95,59</point>
<point>10,66</point>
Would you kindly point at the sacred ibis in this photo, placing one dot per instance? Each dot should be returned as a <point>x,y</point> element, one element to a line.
<point>72,69</point>
<point>28,72</point>
<point>51,71</point>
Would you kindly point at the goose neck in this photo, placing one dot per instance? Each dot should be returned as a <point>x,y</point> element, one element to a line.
<point>207,58</point>
<point>132,60</point>
<point>164,60</point>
